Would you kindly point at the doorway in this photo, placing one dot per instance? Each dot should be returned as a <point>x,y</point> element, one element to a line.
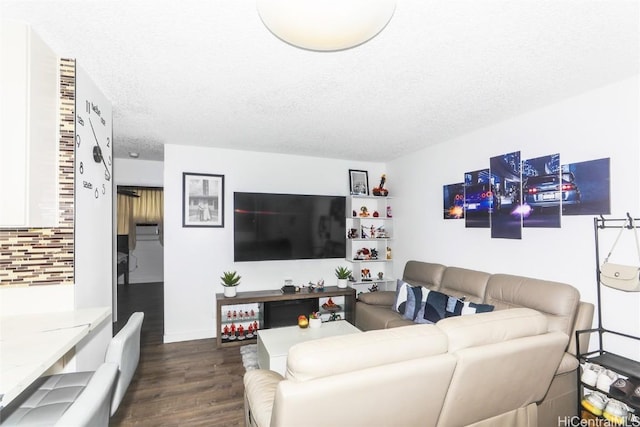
<point>140,253</point>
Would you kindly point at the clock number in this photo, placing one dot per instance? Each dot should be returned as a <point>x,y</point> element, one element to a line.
<point>107,175</point>
<point>104,189</point>
<point>81,168</point>
<point>78,140</point>
<point>88,105</point>
<point>109,160</point>
<point>97,193</point>
<point>108,142</point>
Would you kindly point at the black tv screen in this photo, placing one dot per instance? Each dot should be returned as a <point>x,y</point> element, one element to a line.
<point>288,226</point>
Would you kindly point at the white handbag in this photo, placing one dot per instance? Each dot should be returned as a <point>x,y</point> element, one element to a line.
<point>619,276</point>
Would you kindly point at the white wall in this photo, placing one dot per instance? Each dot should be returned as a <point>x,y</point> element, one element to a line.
<point>598,124</point>
<point>93,216</point>
<point>143,173</point>
<point>194,258</point>
<point>147,259</point>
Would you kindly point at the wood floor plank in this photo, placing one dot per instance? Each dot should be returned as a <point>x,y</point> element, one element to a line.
<point>188,383</point>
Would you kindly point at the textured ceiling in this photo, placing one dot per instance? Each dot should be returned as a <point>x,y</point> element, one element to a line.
<point>209,73</point>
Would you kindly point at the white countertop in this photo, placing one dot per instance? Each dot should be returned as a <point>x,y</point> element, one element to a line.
<point>31,343</point>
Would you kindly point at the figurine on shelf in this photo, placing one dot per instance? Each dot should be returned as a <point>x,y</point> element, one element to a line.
<point>372,234</point>
<point>374,253</point>
<point>364,212</point>
<point>232,332</point>
<point>380,275</point>
<point>250,331</point>
<point>366,275</point>
<point>363,254</point>
<point>255,325</point>
<point>253,313</point>
<point>376,214</point>
<point>388,252</point>
<point>380,190</point>
<point>225,332</point>
<point>241,332</point>
<point>353,233</point>
<point>389,212</point>
<point>373,288</point>
<point>229,314</point>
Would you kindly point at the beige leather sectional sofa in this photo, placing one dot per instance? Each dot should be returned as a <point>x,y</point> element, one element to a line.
<point>558,302</point>
<point>485,370</point>
<point>510,367</point>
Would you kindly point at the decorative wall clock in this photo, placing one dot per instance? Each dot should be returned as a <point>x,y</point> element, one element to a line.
<point>93,149</point>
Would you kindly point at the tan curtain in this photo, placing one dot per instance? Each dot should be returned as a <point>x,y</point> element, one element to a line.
<point>148,208</point>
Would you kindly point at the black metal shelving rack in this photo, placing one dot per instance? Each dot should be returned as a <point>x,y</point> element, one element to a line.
<point>614,362</point>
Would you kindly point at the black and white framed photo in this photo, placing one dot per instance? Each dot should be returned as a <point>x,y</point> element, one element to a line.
<point>202,200</point>
<point>359,182</point>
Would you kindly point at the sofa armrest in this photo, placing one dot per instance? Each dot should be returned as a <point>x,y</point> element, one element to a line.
<point>386,298</point>
<point>259,393</point>
<point>584,320</point>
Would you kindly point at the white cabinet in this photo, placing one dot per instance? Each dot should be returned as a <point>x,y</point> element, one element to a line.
<point>28,129</point>
<point>369,228</point>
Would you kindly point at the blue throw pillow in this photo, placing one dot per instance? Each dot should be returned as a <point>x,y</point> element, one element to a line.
<point>473,308</point>
<point>400,304</point>
<point>437,306</point>
<point>414,302</point>
<point>433,307</point>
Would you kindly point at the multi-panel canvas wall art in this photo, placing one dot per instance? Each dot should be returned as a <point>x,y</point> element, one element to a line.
<point>532,193</point>
<point>506,218</point>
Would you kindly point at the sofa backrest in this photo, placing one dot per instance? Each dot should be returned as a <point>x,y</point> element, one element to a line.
<point>557,301</point>
<point>343,353</point>
<point>426,274</point>
<point>506,361</point>
<point>367,379</point>
<point>461,282</point>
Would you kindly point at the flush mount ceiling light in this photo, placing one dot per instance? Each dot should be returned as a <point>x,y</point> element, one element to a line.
<point>325,25</point>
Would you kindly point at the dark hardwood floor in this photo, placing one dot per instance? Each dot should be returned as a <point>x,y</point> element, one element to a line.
<point>188,383</point>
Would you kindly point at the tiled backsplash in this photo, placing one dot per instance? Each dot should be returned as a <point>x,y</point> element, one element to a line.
<point>37,256</point>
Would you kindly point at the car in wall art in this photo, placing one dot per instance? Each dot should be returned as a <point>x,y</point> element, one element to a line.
<point>551,190</point>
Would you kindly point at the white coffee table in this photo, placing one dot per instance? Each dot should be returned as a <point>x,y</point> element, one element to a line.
<point>274,344</point>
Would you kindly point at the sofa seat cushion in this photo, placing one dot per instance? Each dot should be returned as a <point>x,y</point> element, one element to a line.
<point>370,317</point>
<point>557,301</point>
<point>346,353</point>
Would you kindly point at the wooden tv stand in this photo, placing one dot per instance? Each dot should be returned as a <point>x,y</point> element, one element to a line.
<point>261,297</point>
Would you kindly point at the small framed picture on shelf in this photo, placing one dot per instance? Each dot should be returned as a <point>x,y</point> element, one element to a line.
<point>202,200</point>
<point>359,182</point>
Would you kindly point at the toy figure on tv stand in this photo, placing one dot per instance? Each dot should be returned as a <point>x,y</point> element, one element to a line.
<point>225,332</point>
<point>241,332</point>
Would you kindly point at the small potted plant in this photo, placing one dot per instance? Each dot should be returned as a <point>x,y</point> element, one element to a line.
<point>314,320</point>
<point>230,280</point>
<point>343,274</point>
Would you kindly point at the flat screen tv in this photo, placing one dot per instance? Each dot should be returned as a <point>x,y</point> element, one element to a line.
<point>271,226</point>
